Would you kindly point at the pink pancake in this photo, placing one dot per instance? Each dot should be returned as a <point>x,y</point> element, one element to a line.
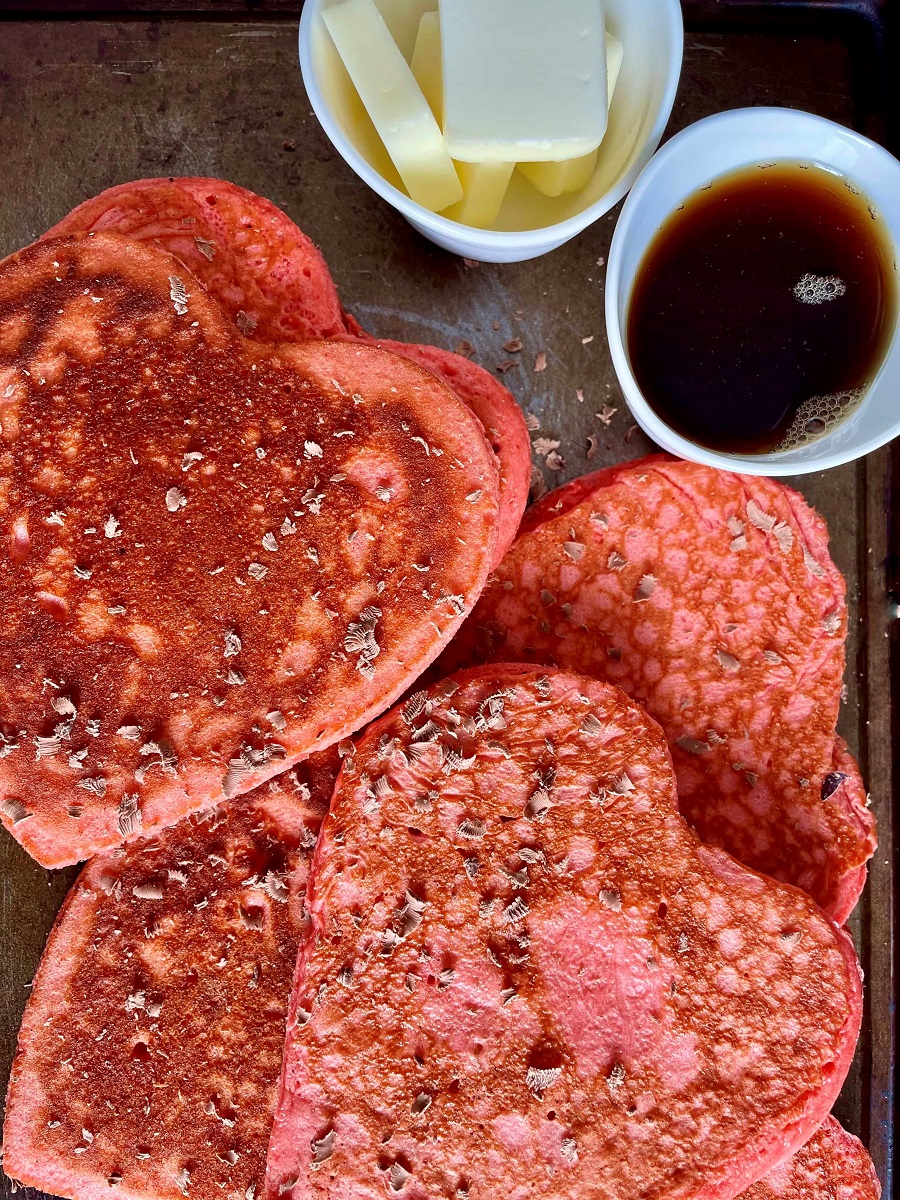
<point>220,554</point>
<point>833,1165</point>
<point>270,278</point>
<point>527,976</point>
<point>249,255</point>
<point>151,1045</point>
<point>711,598</point>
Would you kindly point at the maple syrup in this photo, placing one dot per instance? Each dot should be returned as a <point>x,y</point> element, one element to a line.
<point>763,308</point>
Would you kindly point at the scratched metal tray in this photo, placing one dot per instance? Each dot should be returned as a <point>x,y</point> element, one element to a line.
<point>94,92</point>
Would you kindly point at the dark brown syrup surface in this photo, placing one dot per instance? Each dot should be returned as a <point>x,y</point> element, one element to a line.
<point>763,308</point>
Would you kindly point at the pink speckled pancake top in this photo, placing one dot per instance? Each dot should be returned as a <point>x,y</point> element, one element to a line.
<point>833,1165</point>
<point>528,976</point>
<point>252,259</point>
<point>711,598</point>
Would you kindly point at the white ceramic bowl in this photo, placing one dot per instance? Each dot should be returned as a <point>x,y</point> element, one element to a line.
<point>651,32</point>
<point>700,153</point>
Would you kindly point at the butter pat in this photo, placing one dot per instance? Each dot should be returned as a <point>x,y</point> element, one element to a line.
<point>394,101</point>
<point>615,52</point>
<point>426,63</point>
<point>572,174</point>
<point>561,178</point>
<point>524,80</point>
<point>402,18</point>
<point>484,186</point>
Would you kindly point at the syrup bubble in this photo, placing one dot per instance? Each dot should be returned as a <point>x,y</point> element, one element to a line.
<point>818,289</point>
<point>819,415</point>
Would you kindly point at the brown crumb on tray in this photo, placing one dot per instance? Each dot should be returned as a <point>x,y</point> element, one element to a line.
<point>540,362</point>
<point>538,487</point>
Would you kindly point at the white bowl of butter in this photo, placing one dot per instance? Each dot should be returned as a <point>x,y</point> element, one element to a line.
<point>529,221</point>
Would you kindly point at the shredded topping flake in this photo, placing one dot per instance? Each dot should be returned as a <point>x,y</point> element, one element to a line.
<point>360,639</point>
<point>539,1079</point>
<point>178,294</point>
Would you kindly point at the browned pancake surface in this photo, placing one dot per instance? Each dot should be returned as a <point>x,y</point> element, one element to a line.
<point>218,555</point>
<point>267,275</point>
<point>152,1041</point>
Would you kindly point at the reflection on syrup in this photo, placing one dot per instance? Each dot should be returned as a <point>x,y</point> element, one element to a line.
<point>762,310</point>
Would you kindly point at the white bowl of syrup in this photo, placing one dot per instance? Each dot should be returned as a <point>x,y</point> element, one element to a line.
<point>752,294</point>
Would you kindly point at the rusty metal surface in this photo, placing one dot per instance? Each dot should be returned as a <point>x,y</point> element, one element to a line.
<point>85,104</point>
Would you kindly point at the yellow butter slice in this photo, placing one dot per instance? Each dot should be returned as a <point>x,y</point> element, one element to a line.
<point>402,18</point>
<point>524,80</point>
<point>426,63</point>
<point>484,186</point>
<point>572,174</point>
<point>560,178</point>
<point>395,102</point>
<point>615,52</point>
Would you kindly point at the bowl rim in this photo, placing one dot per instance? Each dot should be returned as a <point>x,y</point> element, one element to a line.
<point>771,463</point>
<point>557,233</point>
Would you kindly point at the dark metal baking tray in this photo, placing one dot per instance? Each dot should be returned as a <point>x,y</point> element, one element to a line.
<point>94,92</point>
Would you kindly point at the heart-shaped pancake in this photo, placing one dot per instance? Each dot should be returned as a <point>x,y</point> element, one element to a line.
<point>527,976</point>
<point>272,281</point>
<point>156,1019</point>
<point>711,598</point>
<point>220,555</point>
<point>833,1163</point>
<point>262,270</point>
